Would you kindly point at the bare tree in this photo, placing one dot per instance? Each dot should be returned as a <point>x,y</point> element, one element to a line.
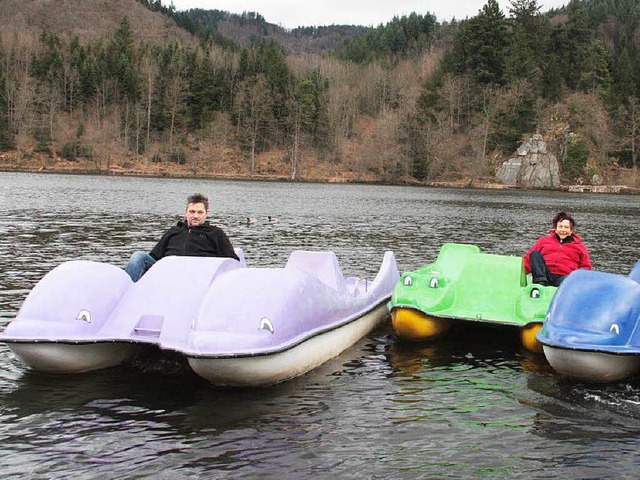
<point>150,70</point>
<point>590,119</point>
<point>20,93</point>
<point>254,114</point>
<point>342,109</point>
<point>630,116</point>
<point>456,95</point>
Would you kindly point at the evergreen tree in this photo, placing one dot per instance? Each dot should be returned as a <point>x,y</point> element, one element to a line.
<point>309,107</point>
<point>202,87</point>
<point>552,81</point>
<point>123,62</point>
<point>595,76</point>
<point>624,77</point>
<point>395,39</point>
<point>48,64</point>
<point>87,81</point>
<point>516,116</point>
<point>480,46</point>
<point>168,61</point>
<point>403,36</point>
<point>576,42</point>
<point>527,44</point>
<point>273,64</point>
<point>575,161</point>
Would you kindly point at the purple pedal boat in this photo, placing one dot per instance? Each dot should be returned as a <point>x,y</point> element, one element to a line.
<point>236,325</point>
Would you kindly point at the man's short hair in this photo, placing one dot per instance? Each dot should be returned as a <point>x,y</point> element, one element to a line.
<point>198,198</point>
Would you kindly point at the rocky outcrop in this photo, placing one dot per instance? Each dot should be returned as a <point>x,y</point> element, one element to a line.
<point>532,167</point>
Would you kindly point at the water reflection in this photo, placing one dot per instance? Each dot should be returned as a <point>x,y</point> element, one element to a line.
<point>534,362</point>
<point>410,360</point>
<point>596,424</point>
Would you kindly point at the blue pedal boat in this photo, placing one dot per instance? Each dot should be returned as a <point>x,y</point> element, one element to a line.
<point>592,329</point>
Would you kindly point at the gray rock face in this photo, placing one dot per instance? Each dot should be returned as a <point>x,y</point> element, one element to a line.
<point>507,173</point>
<point>533,167</point>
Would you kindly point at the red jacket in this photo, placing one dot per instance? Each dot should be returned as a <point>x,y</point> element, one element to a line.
<point>562,257</point>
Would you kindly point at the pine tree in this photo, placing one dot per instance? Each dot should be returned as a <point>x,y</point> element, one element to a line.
<point>526,47</point>
<point>480,46</point>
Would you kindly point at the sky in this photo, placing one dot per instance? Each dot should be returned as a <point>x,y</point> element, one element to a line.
<point>296,13</point>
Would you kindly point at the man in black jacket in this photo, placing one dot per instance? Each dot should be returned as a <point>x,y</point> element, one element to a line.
<point>192,237</point>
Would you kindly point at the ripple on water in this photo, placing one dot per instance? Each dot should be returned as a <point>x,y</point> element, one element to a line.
<point>468,406</point>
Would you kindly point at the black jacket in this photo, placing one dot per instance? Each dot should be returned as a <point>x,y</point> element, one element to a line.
<point>205,240</point>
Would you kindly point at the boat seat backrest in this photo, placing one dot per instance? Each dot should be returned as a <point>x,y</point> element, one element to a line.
<point>453,257</point>
<point>635,272</point>
<point>486,277</point>
<point>241,257</point>
<point>323,265</point>
<point>503,267</point>
<point>466,261</point>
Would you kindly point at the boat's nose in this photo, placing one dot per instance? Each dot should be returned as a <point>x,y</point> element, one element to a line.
<point>576,337</point>
<point>413,325</point>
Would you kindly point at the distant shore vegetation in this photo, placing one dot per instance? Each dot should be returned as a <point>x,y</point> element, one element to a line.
<point>409,101</point>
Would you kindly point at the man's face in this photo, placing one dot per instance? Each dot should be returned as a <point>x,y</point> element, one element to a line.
<point>196,214</point>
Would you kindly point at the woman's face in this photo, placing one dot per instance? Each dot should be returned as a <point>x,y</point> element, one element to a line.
<point>563,229</point>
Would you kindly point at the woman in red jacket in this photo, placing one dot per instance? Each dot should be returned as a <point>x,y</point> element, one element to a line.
<point>556,255</point>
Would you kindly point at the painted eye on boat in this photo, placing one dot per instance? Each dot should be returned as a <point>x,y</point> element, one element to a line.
<point>433,283</point>
<point>84,315</point>
<point>615,328</point>
<point>535,293</point>
<point>265,324</point>
<point>408,281</point>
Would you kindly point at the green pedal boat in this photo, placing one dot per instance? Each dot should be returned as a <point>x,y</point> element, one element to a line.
<point>465,284</point>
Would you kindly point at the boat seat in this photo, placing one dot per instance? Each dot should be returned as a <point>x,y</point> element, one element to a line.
<point>355,286</point>
<point>162,305</point>
<point>323,265</point>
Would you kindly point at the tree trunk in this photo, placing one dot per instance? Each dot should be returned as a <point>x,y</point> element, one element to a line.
<point>252,158</point>
<point>149,87</point>
<point>296,145</point>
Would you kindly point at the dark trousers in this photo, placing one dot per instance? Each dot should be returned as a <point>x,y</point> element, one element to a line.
<point>540,272</point>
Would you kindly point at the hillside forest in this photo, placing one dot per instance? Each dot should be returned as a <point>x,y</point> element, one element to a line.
<point>410,101</point>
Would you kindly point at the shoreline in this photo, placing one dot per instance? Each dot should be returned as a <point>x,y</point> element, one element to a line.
<point>467,183</point>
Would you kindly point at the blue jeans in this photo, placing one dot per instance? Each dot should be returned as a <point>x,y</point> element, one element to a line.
<point>540,272</point>
<point>138,264</point>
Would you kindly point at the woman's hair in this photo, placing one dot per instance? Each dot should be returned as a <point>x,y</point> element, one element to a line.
<point>199,198</point>
<point>560,216</point>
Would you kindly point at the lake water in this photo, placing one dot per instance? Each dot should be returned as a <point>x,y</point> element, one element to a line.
<point>473,405</point>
